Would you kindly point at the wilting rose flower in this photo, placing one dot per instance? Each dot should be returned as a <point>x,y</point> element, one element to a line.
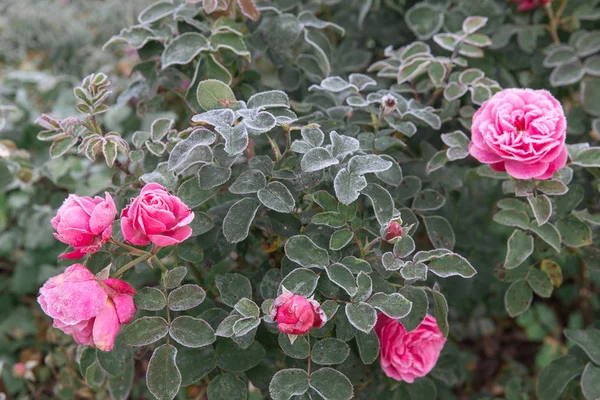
<point>84,223</point>
<point>522,132</point>
<point>528,5</point>
<point>91,311</point>
<point>405,356</point>
<point>296,315</point>
<point>156,216</point>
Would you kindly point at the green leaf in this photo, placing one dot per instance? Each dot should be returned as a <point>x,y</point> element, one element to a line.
<point>183,49</point>
<point>145,331</point>
<point>227,387</point>
<point>186,297</point>
<point>512,218</point>
<point>162,376</point>
<point>436,162</point>
<point>404,247</point>
<point>302,250</point>
<point>192,370</point>
<point>348,186</point>
<point>175,277</point>
<point>552,187</point>
<point>247,308</point>
<point>340,239</point>
<point>330,351</point>
<point>250,181</point>
<point>236,224</point>
<point>236,138</point>
<point>554,378</point>
<point>300,281</point>
<point>277,197</point>
<point>567,74</point>
<point>213,94</point>
<point>61,146</point>
<point>455,90</point>
<point>95,376</point>
<point>156,11</point>
<point>383,204</point>
<point>541,207</point>
<point>473,24</point>
<point>420,305</point>
<point>233,288</point>
<point>362,316</point>
<point>233,358</point>
<point>540,282</point>
<point>518,298</point>
<point>365,287</point>
<point>331,384</point>
<point>114,361</point>
<point>288,383</point>
<point>412,270</point>
<point>269,99</point>
<point>424,20</point>
<point>341,276</point>
<point>590,95</point>
<point>356,265</point>
<point>590,382</point>
<point>440,232</point>
<point>393,305</point>
<point>211,176</point>
<point>119,387</point>
<point>191,332</point>
<point>588,340</point>
<point>149,298</point>
<point>574,232</point>
<point>368,346</point>
<point>317,159</point>
<point>548,233</point>
<point>298,350</point>
<point>229,41</point>
<point>519,248</point>
<point>441,312</point>
<point>367,164</point>
<point>428,200</point>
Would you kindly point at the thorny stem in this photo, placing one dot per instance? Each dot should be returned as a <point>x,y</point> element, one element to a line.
<point>132,264</point>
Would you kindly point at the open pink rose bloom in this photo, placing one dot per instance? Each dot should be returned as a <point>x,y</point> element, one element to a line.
<point>405,356</point>
<point>84,223</point>
<point>522,132</point>
<point>296,315</point>
<point>156,216</point>
<point>91,311</point>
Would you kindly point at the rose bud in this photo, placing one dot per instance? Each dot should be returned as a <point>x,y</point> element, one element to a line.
<point>522,132</point>
<point>156,216</point>
<point>84,223</point>
<point>392,231</point>
<point>405,356</point>
<point>296,315</point>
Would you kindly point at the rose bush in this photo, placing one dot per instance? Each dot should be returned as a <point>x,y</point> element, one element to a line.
<point>299,200</point>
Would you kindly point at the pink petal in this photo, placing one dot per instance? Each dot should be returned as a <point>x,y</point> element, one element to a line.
<point>125,307</point>
<point>106,327</point>
<point>520,170</point>
<point>132,235</point>
<point>483,156</point>
<point>171,238</point>
<point>103,215</point>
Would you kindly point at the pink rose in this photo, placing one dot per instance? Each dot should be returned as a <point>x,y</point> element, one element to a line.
<point>84,223</point>
<point>156,216</point>
<point>90,311</point>
<point>522,132</point>
<point>406,356</point>
<point>528,5</point>
<point>296,315</point>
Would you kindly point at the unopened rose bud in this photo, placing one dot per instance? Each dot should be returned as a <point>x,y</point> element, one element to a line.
<point>393,231</point>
